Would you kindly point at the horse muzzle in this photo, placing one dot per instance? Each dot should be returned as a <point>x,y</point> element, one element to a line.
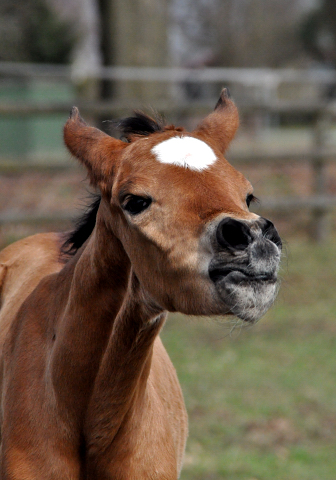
<point>245,266</point>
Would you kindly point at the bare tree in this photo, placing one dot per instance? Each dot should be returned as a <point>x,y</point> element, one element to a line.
<point>31,30</point>
<point>318,33</point>
<point>135,34</point>
<point>246,33</point>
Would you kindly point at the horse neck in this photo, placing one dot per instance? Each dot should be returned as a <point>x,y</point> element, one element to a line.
<point>106,331</point>
<point>121,381</point>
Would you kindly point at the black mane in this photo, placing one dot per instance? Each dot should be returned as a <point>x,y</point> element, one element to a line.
<point>140,124</point>
<point>84,226</point>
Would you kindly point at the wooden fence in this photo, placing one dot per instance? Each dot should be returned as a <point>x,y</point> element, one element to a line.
<point>321,110</point>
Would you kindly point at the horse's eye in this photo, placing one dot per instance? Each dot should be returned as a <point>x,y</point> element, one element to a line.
<point>135,204</point>
<point>249,199</point>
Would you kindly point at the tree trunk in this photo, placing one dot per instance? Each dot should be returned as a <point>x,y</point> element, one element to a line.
<point>135,34</point>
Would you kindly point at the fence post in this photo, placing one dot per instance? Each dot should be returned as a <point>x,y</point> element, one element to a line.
<point>320,218</point>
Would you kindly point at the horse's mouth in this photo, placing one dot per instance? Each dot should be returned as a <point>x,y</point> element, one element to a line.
<point>235,274</point>
<point>246,294</point>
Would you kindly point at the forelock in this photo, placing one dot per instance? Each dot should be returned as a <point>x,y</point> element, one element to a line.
<point>139,125</point>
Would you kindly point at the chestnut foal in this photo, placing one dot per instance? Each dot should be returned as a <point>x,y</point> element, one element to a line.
<point>88,390</point>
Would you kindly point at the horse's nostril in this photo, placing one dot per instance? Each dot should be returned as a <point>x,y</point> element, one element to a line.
<point>233,234</point>
<point>270,232</point>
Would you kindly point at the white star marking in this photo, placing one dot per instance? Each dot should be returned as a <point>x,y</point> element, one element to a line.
<point>187,152</point>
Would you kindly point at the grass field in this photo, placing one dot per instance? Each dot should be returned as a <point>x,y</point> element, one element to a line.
<point>262,399</point>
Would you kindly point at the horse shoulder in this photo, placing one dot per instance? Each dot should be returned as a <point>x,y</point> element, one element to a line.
<point>23,265</point>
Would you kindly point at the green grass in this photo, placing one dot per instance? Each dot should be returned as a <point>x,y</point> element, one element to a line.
<point>262,400</point>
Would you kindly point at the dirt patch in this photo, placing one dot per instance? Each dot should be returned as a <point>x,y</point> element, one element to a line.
<point>275,432</point>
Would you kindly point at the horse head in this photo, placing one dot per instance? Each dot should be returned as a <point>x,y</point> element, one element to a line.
<point>181,213</point>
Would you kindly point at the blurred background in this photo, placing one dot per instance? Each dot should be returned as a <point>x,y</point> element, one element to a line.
<point>261,400</point>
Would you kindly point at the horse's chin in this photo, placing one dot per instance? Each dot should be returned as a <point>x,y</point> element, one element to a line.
<point>246,296</point>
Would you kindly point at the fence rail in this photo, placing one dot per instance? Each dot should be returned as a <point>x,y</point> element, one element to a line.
<point>113,108</point>
<point>322,110</point>
<point>246,76</point>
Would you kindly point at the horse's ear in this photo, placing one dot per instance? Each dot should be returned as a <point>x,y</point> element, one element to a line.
<point>221,125</point>
<point>95,149</point>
